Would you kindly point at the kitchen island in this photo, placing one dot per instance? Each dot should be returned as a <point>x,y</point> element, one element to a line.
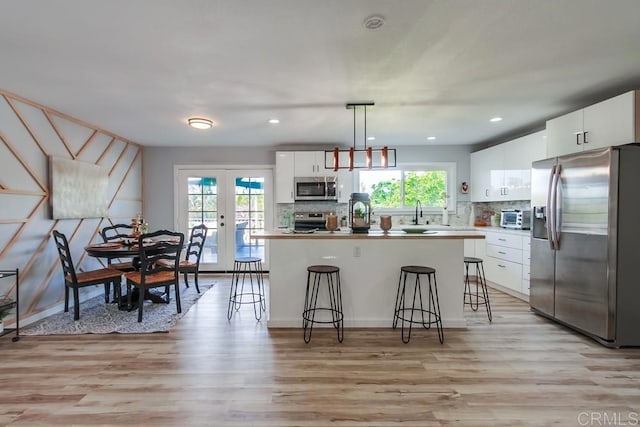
<point>369,270</point>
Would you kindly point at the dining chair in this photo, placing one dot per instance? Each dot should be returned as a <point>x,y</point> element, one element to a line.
<point>76,280</point>
<point>191,262</point>
<point>118,232</point>
<point>159,254</point>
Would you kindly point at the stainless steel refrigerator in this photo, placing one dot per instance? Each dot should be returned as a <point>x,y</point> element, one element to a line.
<point>585,262</point>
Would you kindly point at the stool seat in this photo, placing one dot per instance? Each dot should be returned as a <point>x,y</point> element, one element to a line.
<point>333,312</point>
<point>252,267</point>
<point>418,269</point>
<point>247,259</point>
<point>475,299</point>
<point>323,269</point>
<point>426,316</point>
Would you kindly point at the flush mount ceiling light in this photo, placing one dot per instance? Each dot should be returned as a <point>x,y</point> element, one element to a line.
<point>363,158</point>
<point>373,22</point>
<point>495,119</point>
<point>431,138</point>
<point>274,121</point>
<point>200,123</point>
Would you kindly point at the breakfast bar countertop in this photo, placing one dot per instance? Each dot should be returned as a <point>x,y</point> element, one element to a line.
<point>373,234</point>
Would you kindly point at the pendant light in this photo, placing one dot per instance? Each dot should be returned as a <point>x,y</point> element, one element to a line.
<point>361,158</point>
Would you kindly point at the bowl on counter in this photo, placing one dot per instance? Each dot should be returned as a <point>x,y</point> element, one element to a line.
<point>415,230</point>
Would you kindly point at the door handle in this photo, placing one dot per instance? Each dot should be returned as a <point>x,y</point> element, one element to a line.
<point>550,207</point>
<point>486,192</point>
<point>554,211</point>
<point>578,138</point>
<point>584,137</point>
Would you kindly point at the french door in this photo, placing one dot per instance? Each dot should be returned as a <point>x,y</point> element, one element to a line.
<point>233,204</point>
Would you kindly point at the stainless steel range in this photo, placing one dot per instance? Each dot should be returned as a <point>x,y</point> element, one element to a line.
<point>304,221</point>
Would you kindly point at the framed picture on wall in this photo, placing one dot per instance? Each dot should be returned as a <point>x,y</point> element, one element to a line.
<point>77,189</point>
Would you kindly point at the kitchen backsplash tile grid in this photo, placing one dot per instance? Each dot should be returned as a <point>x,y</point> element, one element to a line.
<point>284,212</point>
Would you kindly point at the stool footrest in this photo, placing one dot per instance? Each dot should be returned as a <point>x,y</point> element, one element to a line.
<point>436,317</point>
<point>308,315</point>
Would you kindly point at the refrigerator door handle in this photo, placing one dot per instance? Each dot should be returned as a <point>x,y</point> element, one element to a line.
<point>554,211</point>
<point>550,216</point>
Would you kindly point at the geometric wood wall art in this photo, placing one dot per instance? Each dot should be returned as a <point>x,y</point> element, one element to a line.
<point>31,134</point>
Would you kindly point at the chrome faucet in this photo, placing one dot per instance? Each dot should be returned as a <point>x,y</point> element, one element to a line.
<point>415,220</point>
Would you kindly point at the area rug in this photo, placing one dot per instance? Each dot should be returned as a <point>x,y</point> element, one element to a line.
<point>96,317</point>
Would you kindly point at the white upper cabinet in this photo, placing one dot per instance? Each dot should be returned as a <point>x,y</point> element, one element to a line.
<point>503,172</point>
<point>311,163</point>
<point>284,176</point>
<point>487,174</point>
<point>610,122</point>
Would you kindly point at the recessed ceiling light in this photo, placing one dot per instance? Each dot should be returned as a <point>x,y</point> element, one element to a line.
<point>371,138</point>
<point>274,121</point>
<point>200,123</point>
<point>431,138</point>
<point>495,119</point>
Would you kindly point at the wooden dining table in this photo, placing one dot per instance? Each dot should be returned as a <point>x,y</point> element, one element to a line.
<point>116,250</point>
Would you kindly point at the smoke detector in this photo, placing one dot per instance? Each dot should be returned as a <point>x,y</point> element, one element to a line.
<point>373,22</point>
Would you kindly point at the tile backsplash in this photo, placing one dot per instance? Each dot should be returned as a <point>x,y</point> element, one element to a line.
<point>284,213</point>
<point>462,217</point>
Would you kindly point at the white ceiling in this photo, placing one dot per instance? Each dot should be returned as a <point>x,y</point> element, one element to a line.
<point>140,68</point>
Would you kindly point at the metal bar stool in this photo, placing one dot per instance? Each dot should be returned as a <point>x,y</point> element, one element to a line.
<point>252,267</point>
<point>481,282</point>
<point>406,314</point>
<point>332,276</point>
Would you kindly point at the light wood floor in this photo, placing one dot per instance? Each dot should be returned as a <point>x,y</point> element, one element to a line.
<point>519,370</point>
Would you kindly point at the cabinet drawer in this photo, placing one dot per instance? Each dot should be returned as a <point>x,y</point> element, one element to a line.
<point>504,239</point>
<point>502,252</point>
<point>504,273</point>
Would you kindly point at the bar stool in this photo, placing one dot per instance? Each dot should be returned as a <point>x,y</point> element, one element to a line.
<point>481,282</point>
<point>402,311</point>
<point>332,278</point>
<point>252,267</point>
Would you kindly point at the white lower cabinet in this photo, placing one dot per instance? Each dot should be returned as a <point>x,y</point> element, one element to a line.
<point>506,260</point>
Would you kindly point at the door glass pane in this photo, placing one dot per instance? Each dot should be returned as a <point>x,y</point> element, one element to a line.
<point>203,209</point>
<point>249,214</point>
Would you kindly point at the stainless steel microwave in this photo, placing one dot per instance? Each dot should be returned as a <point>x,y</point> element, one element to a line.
<point>514,218</point>
<point>315,188</point>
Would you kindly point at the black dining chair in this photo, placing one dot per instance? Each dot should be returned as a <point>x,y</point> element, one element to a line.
<point>191,262</point>
<point>159,254</point>
<point>118,232</point>
<point>76,280</point>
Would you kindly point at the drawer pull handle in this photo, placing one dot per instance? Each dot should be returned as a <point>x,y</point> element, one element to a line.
<point>502,266</point>
<point>503,253</point>
<point>503,240</point>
